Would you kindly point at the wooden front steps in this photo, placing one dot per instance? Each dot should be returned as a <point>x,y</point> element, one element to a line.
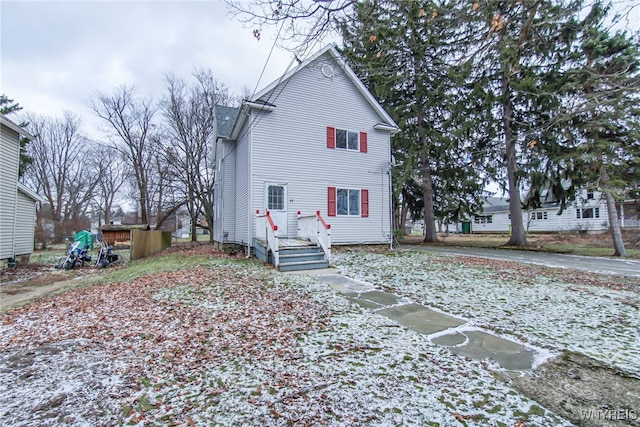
<point>295,255</point>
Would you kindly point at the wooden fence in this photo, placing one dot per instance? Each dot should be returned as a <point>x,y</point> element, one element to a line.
<point>145,243</point>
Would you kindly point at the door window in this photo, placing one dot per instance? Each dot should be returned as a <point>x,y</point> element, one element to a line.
<point>275,198</point>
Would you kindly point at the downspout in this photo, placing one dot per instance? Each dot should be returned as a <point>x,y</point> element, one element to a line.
<point>390,207</point>
<point>250,189</point>
<point>15,224</point>
<point>222,203</point>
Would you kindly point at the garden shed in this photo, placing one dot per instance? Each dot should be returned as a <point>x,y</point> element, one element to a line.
<point>120,235</point>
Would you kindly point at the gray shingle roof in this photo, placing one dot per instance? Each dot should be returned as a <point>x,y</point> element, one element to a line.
<point>226,117</point>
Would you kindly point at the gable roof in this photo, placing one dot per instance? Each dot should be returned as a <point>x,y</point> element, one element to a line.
<point>387,123</point>
<point>226,117</point>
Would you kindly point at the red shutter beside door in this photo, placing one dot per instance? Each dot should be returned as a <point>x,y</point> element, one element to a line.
<point>331,137</point>
<point>331,209</point>
<point>363,142</point>
<point>364,201</point>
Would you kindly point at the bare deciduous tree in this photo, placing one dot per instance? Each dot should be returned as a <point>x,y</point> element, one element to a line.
<point>108,167</point>
<point>131,132</point>
<point>190,114</point>
<point>302,22</point>
<point>59,171</point>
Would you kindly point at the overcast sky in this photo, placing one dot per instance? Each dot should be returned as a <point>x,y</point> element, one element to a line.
<point>56,54</point>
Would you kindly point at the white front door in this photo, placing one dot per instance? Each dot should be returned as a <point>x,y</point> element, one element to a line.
<point>276,203</point>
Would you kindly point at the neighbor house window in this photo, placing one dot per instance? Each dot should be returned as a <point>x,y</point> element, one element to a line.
<point>483,219</point>
<point>275,198</point>
<point>586,213</point>
<point>348,202</point>
<point>346,139</point>
<point>539,215</point>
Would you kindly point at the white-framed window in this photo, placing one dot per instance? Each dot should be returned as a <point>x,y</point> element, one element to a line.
<point>483,219</point>
<point>347,140</point>
<point>589,195</point>
<point>348,202</point>
<point>586,213</point>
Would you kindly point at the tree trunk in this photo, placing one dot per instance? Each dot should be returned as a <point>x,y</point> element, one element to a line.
<point>618,243</point>
<point>403,217</point>
<point>430,235</point>
<point>518,237</point>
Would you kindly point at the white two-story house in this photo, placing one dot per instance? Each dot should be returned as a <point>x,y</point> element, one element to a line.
<point>313,143</point>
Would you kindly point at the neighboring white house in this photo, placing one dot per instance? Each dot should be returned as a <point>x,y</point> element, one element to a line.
<point>17,202</point>
<point>314,140</point>
<point>587,214</point>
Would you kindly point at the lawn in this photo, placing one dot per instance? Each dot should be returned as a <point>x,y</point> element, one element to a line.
<point>198,338</point>
<point>568,243</point>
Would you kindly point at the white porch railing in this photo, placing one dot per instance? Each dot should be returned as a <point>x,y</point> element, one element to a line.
<point>266,229</point>
<point>629,223</point>
<point>316,229</point>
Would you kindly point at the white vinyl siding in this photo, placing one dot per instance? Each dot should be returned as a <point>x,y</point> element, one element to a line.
<point>289,146</point>
<point>9,161</point>
<point>26,224</point>
<point>550,221</point>
<point>224,193</point>
<point>242,175</point>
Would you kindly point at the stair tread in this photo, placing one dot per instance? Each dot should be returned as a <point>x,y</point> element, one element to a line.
<point>301,255</point>
<point>318,261</point>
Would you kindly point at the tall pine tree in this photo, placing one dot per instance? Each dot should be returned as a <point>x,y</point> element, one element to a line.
<point>601,112</point>
<point>412,56</point>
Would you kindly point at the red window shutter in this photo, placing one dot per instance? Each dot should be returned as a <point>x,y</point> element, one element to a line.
<point>364,201</point>
<point>331,137</point>
<point>331,210</point>
<point>363,142</point>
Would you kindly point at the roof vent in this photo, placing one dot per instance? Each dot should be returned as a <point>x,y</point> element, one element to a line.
<point>327,70</point>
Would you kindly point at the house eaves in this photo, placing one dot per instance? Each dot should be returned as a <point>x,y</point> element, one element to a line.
<point>29,193</point>
<point>14,127</point>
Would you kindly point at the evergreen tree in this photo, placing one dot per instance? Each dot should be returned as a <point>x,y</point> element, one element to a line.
<point>412,56</point>
<point>601,111</point>
<point>526,46</point>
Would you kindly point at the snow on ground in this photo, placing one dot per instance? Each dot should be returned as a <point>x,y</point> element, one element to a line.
<point>235,343</point>
<point>545,307</point>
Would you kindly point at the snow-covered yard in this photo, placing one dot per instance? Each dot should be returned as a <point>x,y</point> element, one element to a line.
<point>547,307</point>
<point>223,342</point>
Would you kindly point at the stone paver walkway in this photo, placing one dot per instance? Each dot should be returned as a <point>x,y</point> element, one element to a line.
<point>440,328</point>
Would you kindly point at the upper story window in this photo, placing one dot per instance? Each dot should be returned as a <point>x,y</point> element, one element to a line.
<point>589,195</point>
<point>346,139</point>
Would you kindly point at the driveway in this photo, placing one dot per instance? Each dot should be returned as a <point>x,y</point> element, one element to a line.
<point>600,265</point>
